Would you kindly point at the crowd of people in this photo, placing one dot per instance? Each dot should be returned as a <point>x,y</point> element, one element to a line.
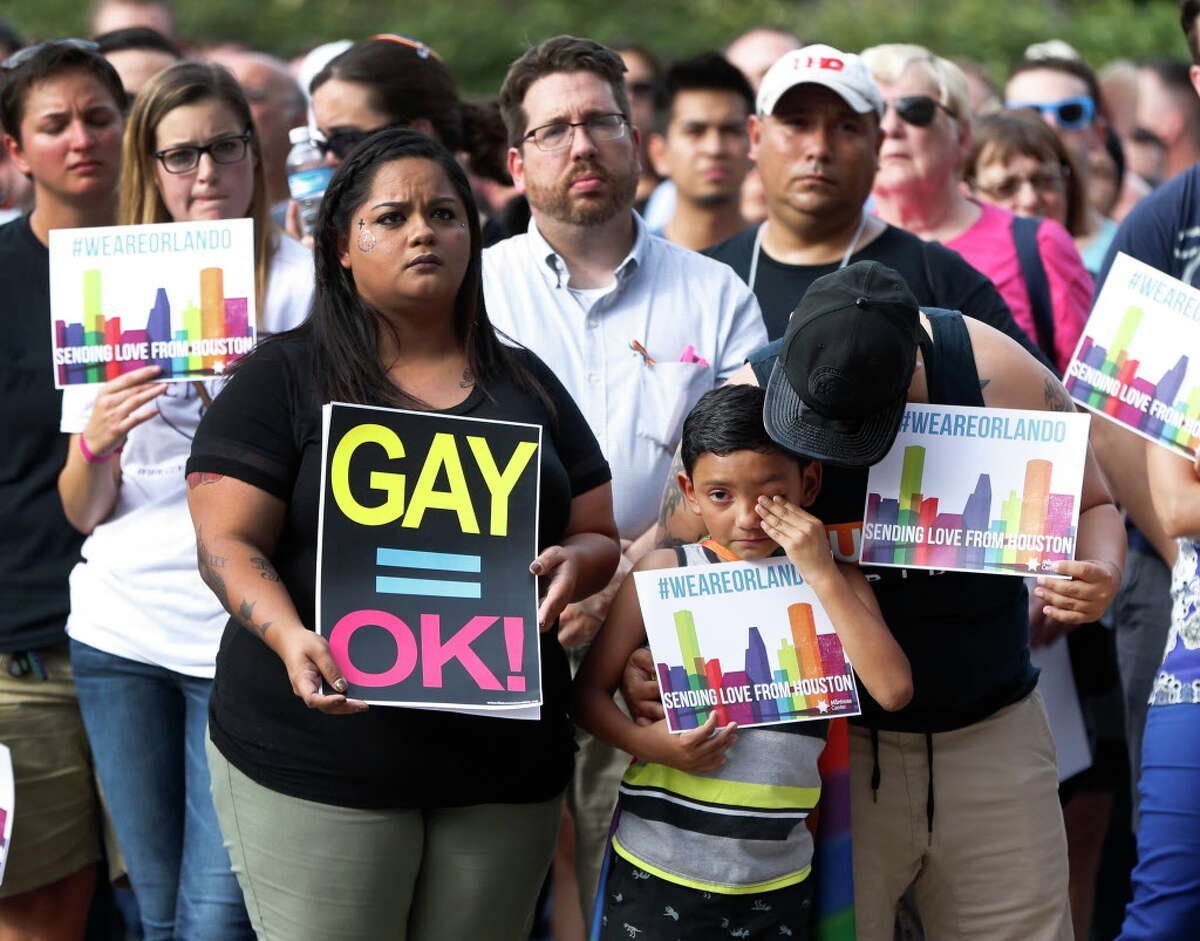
<point>715,283</point>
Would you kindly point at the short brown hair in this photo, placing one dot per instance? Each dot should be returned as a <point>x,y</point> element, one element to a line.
<point>1002,135</point>
<point>560,54</point>
<point>1189,10</point>
<point>48,61</point>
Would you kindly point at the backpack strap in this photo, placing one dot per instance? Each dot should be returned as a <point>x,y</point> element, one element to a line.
<point>1024,232</point>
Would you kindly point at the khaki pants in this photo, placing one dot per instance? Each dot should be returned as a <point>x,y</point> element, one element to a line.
<point>994,867</point>
<point>56,826</point>
<point>318,872</point>
<point>591,798</point>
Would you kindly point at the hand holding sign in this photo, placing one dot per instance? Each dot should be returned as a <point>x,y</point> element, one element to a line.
<point>116,409</point>
<point>560,569</point>
<point>308,662</point>
<point>697,751</point>
<point>1085,597</point>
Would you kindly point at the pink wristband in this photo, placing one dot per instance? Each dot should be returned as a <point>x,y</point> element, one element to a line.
<point>93,458</point>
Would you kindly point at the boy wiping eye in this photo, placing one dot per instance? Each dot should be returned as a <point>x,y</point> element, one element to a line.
<point>711,827</point>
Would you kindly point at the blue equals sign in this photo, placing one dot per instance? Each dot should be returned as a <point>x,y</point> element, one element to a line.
<point>433,561</point>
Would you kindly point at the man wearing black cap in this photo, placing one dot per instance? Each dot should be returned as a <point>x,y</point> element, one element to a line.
<point>957,793</point>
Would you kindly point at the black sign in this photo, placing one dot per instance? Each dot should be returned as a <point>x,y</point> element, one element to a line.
<point>428,526</point>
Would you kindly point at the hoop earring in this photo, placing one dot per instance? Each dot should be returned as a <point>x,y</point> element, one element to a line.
<point>366,238</point>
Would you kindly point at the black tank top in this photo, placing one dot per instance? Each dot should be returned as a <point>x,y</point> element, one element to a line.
<point>966,636</point>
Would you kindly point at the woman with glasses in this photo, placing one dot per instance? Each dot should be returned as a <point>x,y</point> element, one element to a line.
<point>61,108</point>
<point>392,81</point>
<point>1017,162</point>
<point>347,822</point>
<point>144,628</point>
<point>926,137</point>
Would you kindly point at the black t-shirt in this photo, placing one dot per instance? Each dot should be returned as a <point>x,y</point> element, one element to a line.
<point>265,429</point>
<point>1163,230</point>
<point>937,276</point>
<point>966,636</point>
<point>40,546</point>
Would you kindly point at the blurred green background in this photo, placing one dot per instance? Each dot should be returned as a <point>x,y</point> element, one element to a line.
<point>478,38</point>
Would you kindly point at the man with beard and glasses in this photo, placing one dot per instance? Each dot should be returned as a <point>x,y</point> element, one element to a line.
<point>635,327</point>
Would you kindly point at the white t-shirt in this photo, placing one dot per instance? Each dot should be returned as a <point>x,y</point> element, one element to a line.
<point>137,593</point>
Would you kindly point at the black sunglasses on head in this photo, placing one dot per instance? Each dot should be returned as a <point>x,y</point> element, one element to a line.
<point>919,110</point>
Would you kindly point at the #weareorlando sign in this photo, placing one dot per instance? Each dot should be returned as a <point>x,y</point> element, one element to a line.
<point>977,490</point>
<point>178,295</point>
<point>748,640</point>
<point>428,525</point>
<point>1133,363</point>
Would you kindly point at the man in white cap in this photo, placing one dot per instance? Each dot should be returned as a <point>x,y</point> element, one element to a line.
<point>816,140</point>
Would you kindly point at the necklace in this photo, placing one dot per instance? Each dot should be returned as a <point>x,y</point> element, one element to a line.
<point>758,239</point>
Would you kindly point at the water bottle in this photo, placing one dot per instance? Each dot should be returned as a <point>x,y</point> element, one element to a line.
<point>308,175</point>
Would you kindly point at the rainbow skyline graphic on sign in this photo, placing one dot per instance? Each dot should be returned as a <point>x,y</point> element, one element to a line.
<point>1030,531</point>
<point>215,318</point>
<point>1166,411</point>
<point>806,656</point>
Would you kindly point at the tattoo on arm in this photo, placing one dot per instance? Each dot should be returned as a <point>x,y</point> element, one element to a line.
<point>246,616</point>
<point>208,563</point>
<point>1055,396</point>
<point>265,569</point>
<point>202,478</point>
<point>672,498</point>
<point>983,384</point>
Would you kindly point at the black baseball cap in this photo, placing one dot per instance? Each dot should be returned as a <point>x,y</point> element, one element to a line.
<point>840,383</point>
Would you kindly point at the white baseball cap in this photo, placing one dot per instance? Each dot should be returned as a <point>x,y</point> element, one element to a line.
<point>841,72</point>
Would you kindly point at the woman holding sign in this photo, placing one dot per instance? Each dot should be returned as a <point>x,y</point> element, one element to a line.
<point>341,819</point>
<point>1166,901</point>
<point>143,626</point>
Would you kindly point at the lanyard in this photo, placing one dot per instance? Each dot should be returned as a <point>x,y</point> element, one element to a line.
<point>758,238</point>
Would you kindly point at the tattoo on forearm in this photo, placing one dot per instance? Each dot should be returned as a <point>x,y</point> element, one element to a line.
<point>265,569</point>
<point>202,478</point>
<point>1055,396</point>
<point>246,616</point>
<point>208,563</point>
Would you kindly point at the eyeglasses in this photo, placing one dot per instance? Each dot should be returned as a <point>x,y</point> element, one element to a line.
<point>24,55</point>
<point>918,110</point>
<point>1044,181</point>
<point>600,127</point>
<point>223,150</point>
<point>1071,114</point>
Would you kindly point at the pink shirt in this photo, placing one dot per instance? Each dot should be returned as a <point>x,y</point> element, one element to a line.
<point>989,247</point>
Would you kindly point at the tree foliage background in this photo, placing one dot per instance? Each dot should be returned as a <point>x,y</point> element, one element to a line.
<point>478,38</point>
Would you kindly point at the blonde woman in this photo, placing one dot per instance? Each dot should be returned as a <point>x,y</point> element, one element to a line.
<point>144,629</point>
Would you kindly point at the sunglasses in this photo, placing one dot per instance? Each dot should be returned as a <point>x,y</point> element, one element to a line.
<point>1071,114</point>
<point>341,142</point>
<point>919,110</point>
<point>24,55</point>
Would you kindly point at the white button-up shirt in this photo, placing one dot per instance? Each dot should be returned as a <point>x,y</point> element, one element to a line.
<point>665,298</point>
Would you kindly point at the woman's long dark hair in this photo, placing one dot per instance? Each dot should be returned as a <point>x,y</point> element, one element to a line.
<point>345,329</point>
<point>408,82</point>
